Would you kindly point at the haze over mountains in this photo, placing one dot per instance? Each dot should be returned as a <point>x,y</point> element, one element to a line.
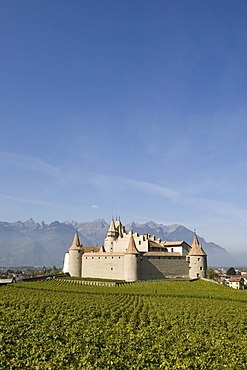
<point>31,243</point>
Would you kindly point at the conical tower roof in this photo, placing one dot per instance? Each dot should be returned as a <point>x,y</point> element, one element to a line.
<point>102,249</point>
<point>196,248</point>
<point>132,245</point>
<point>112,226</point>
<point>76,242</point>
<point>119,227</point>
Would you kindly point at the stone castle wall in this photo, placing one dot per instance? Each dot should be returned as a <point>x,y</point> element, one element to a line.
<point>118,268</point>
<point>104,267</point>
<point>160,267</point>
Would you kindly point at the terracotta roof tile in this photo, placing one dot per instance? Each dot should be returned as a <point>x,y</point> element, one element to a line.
<point>235,278</point>
<point>132,245</point>
<point>76,242</point>
<point>196,248</point>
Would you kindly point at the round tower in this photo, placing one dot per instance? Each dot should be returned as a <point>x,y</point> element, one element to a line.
<point>197,260</point>
<point>66,263</point>
<point>75,257</point>
<point>112,235</point>
<point>131,265</point>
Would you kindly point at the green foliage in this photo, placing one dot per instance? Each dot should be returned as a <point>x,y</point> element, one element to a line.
<point>211,274</point>
<point>63,324</point>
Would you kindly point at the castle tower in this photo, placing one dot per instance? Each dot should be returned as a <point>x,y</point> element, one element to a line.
<point>112,235</point>
<point>131,265</point>
<point>120,228</point>
<point>112,232</point>
<point>198,260</point>
<point>75,254</point>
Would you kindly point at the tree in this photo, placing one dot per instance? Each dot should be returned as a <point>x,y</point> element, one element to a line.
<point>231,271</point>
<point>211,274</point>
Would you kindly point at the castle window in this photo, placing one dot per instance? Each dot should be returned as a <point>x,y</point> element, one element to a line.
<point>99,258</point>
<point>119,257</point>
<point>112,257</point>
<point>172,249</point>
<point>198,259</point>
<point>200,267</point>
<point>140,242</point>
<point>105,257</point>
<point>111,268</point>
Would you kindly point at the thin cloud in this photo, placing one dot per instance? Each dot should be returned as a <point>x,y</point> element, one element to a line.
<point>183,197</point>
<point>95,206</point>
<point>28,201</point>
<point>104,181</point>
<point>27,162</point>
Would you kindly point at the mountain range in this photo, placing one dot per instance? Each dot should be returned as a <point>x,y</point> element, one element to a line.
<point>31,243</point>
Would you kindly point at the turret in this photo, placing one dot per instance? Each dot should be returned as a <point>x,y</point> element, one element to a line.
<point>112,235</point>
<point>197,260</point>
<point>112,232</point>
<point>131,257</point>
<point>75,254</point>
<point>120,228</point>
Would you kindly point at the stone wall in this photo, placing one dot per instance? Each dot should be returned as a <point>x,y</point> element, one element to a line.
<point>160,267</point>
<point>104,267</point>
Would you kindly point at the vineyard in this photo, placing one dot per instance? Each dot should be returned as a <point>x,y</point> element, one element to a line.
<point>62,324</point>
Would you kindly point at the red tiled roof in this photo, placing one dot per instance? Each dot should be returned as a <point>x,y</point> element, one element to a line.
<point>236,279</point>
<point>196,248</point>
<point>132,245</point>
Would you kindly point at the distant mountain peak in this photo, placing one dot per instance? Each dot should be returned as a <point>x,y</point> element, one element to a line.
<point>132,225</point>
<point>100,222</point>
<point>27,242</point>
<point>30,221</point>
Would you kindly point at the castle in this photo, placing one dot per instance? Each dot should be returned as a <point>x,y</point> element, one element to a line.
<point>131,257</point>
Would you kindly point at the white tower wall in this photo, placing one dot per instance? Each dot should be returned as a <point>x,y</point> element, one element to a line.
<point>198,266</point>
<point>131,267</point>
<point>66,263</point>
<point>75,262</point>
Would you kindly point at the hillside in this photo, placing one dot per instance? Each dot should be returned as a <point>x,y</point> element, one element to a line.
<point>60,324</point>
<point>31,243</point>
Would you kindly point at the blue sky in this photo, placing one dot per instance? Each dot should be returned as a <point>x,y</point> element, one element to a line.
<point>133,106</point>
